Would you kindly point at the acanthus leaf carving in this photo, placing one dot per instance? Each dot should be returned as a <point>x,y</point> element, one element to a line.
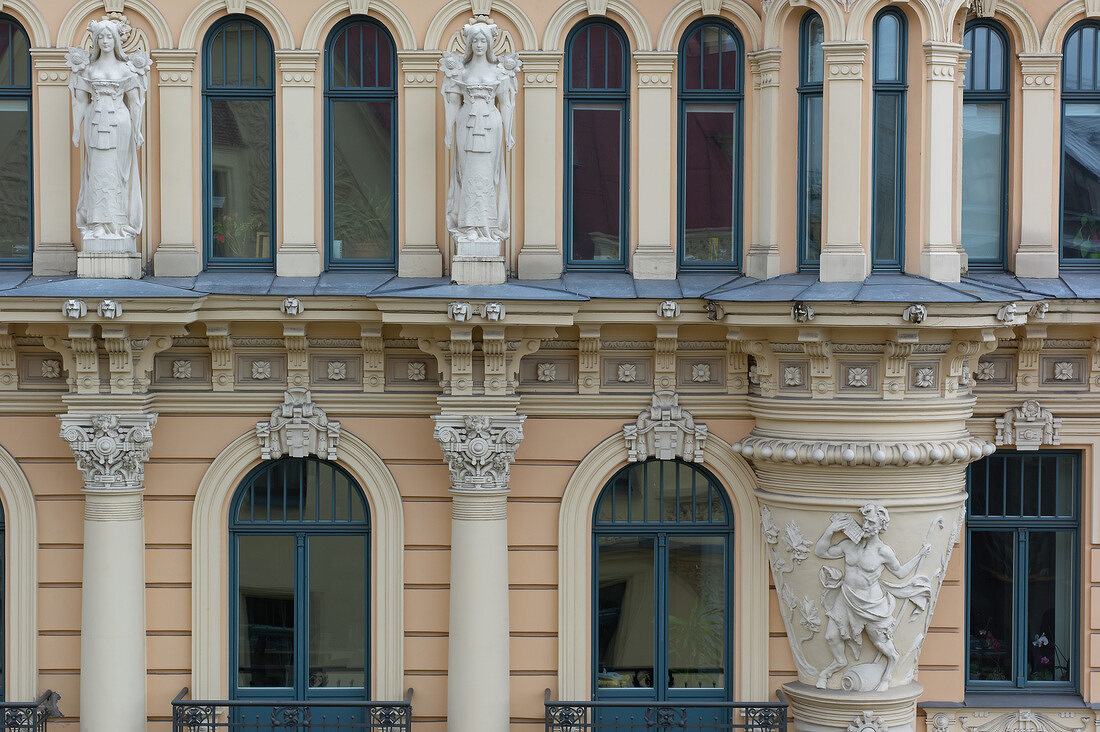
<point>479,449</point>
<point>110,449</point>
<point>666,431</point>
<point>298,428</point>
<point>1028,427</point>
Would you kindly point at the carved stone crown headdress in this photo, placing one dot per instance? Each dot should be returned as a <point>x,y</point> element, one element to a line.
<point>117,28</point>
<point>480,26</point>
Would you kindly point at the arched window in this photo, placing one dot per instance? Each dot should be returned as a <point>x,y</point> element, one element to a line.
<point>360,145</point>
<point>299,537</point>
<point>811,126</point>
<point>16,219</point>
<point>1080,229</point>
<point>985,145</point>
<point>888,156</point>
<point>238,147</point>
<point>663,549</point>
<point>597,145</point>
<point>711,93</point>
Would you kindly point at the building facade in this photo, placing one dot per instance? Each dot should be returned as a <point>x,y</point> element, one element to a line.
<point>782,387</point>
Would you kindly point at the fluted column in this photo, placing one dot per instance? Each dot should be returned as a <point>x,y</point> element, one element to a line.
<point>939,257</point>
<point>478,448</point>
<point>762,260</point>
<point>843,258</point>
<point>1038,252</point>
<point>111,451</point>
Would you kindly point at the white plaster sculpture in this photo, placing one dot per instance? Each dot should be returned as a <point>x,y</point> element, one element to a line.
<point>1028,427</point>
<point>479,99</point>
<point>298,428</point>
<point>108,90</point>
<point>666,431</point>
<point>857,600</point>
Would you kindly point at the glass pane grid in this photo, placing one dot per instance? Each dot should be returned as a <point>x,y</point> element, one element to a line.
<point>1015,486</point>
<point>660,494</point>
<point>300,491</point>
<point>239,56</point>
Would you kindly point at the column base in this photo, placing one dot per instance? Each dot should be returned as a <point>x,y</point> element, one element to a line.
<point>832,710</point>
<point>1038,262</point>
<point>176,260</point>
<point>539,262</point>
<point>53,259</point>
<point>473,270</point>
<point>420,260</point>
<point>843,263</point>
<point>762,263</point>
<point>941,264</point>
<point>302,260</point>
<point>654,263</point>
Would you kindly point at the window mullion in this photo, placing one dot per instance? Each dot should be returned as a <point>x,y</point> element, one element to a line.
<point>1019,613</point>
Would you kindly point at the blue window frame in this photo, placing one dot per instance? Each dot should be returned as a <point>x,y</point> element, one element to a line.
<point>1079,230</point>
<point>3,608</point>
<point>660,630</point>
<point>1023,519</point>
<point>360,146</point>
<point>811,127</point>
<point>711,75</point>
<point>238,144</point>
<point>888,146</point>
<point>298,620</point>
<point>985,145</point>
<point>597,146</point>
<point>17,214</point>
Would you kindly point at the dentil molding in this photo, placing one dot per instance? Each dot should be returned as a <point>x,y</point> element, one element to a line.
<point>479,449</point>
<point>110,449</point>
<point>298,428</point>
<point>665,431</point>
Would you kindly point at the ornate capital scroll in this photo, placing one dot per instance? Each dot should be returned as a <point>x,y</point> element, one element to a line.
<point>665,431</point>
<point>110,449</point>
<point>298,428</point>
<point>479,449</point>
<point>1028,427</point>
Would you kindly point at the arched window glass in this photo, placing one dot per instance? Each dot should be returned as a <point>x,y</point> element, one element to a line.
<point>985,145</point>
<point>888,165</point>
<point>710,146</point>
<point>597,144</point>
<point>299,535</point>
<point>811,126</point>
<point>238,148</point>
<point>663,534</point>
<point>1080,229</point>
<point>361,149</point>
<point>16,219</point>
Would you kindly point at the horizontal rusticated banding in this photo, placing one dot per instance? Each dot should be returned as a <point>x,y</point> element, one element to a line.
<point>850,453</point>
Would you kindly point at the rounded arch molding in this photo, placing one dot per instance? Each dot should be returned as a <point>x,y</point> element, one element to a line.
<point>70,27</point>
<point>389,13</point>
<point>528,38</point>
<point>21,581</point>
<point>209,556</point>
<point>751,579</point>
<point>264,9</point>
<point>565,15</point>
<point>668,38</point>
<point>830,13</point>
<point>932,17</point>
<point>32,20</point>
<point>1059,23</point>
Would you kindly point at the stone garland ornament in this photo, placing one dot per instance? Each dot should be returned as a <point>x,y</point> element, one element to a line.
<point>110,449</point>
<point>820,452</point>
<point>665,431</point>
<point>479,449</point>
<point>298,428</point>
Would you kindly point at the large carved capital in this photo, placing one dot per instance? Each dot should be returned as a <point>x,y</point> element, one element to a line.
<point>298,428</point>
<point>479,449</point>
<point>110,449</point>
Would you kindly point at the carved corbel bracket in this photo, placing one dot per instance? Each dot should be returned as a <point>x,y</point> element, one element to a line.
<point>76,344</point>
<point>9,375</point>
<point>297,354</point>
<point>374,363</point>
<point>665,431</point>
<point>737,363</point>
<point>664,367</point>
<point>588,359</point>
<point>963,355</point>
<point>298,428</point>
<point>1027,356</point>
<point>220,343</point>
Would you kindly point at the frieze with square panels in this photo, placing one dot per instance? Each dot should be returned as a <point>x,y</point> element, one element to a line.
<point>548,373</point>
<point>794,375</point>
<point>995,370</point>
<point>266,370</point>
<point>628,373</point>
<point>923,377</point>
<point>1063,370</point>
<point>412,371</point>
<point>857,377</point>
<point>42,371</point>
<point>336,370</point>
<point>176,369</point>
<point>700,372</point>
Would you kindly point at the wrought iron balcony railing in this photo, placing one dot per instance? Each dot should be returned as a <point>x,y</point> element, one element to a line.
<point>638,715</point>
<point>255,715</point>
<point>30,716</point>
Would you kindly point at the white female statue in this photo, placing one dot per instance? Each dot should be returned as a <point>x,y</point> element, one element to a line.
<point>108,91</point>
<point>479,96</point>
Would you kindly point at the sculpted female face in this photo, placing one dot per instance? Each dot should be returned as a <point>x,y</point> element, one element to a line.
<point>106,41</point>
<point>480,44</point>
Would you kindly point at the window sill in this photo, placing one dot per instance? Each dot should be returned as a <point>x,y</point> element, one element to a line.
<point>1016,698</point>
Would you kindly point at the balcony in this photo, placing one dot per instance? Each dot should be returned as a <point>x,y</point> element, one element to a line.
<point>326,715</point>
<point>637,715</point>
<point>30,716</point>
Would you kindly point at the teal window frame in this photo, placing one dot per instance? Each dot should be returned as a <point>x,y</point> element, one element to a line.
<point>735,98</point>
<point>301,530</point>
<point>22,92</point>
<point>810,89</point>
<point>618,97</point>
<point>977,91</point>
<point>884,87</point>
<point>1020,525</point>
<point>1075,96</point>
<point>214,92</point>
<point>362,93</point>
<point>661,531</point>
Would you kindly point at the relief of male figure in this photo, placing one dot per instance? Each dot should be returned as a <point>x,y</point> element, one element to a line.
<point>857,600</point>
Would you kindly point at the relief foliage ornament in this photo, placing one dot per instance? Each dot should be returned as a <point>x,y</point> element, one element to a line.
<point>110,449</point>
<point>666,431</point>
<point>298,428</point>
<point>479,449</point>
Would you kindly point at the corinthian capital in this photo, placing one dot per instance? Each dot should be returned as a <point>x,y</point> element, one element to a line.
<point>110,449</point>
<point>479,449</point>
